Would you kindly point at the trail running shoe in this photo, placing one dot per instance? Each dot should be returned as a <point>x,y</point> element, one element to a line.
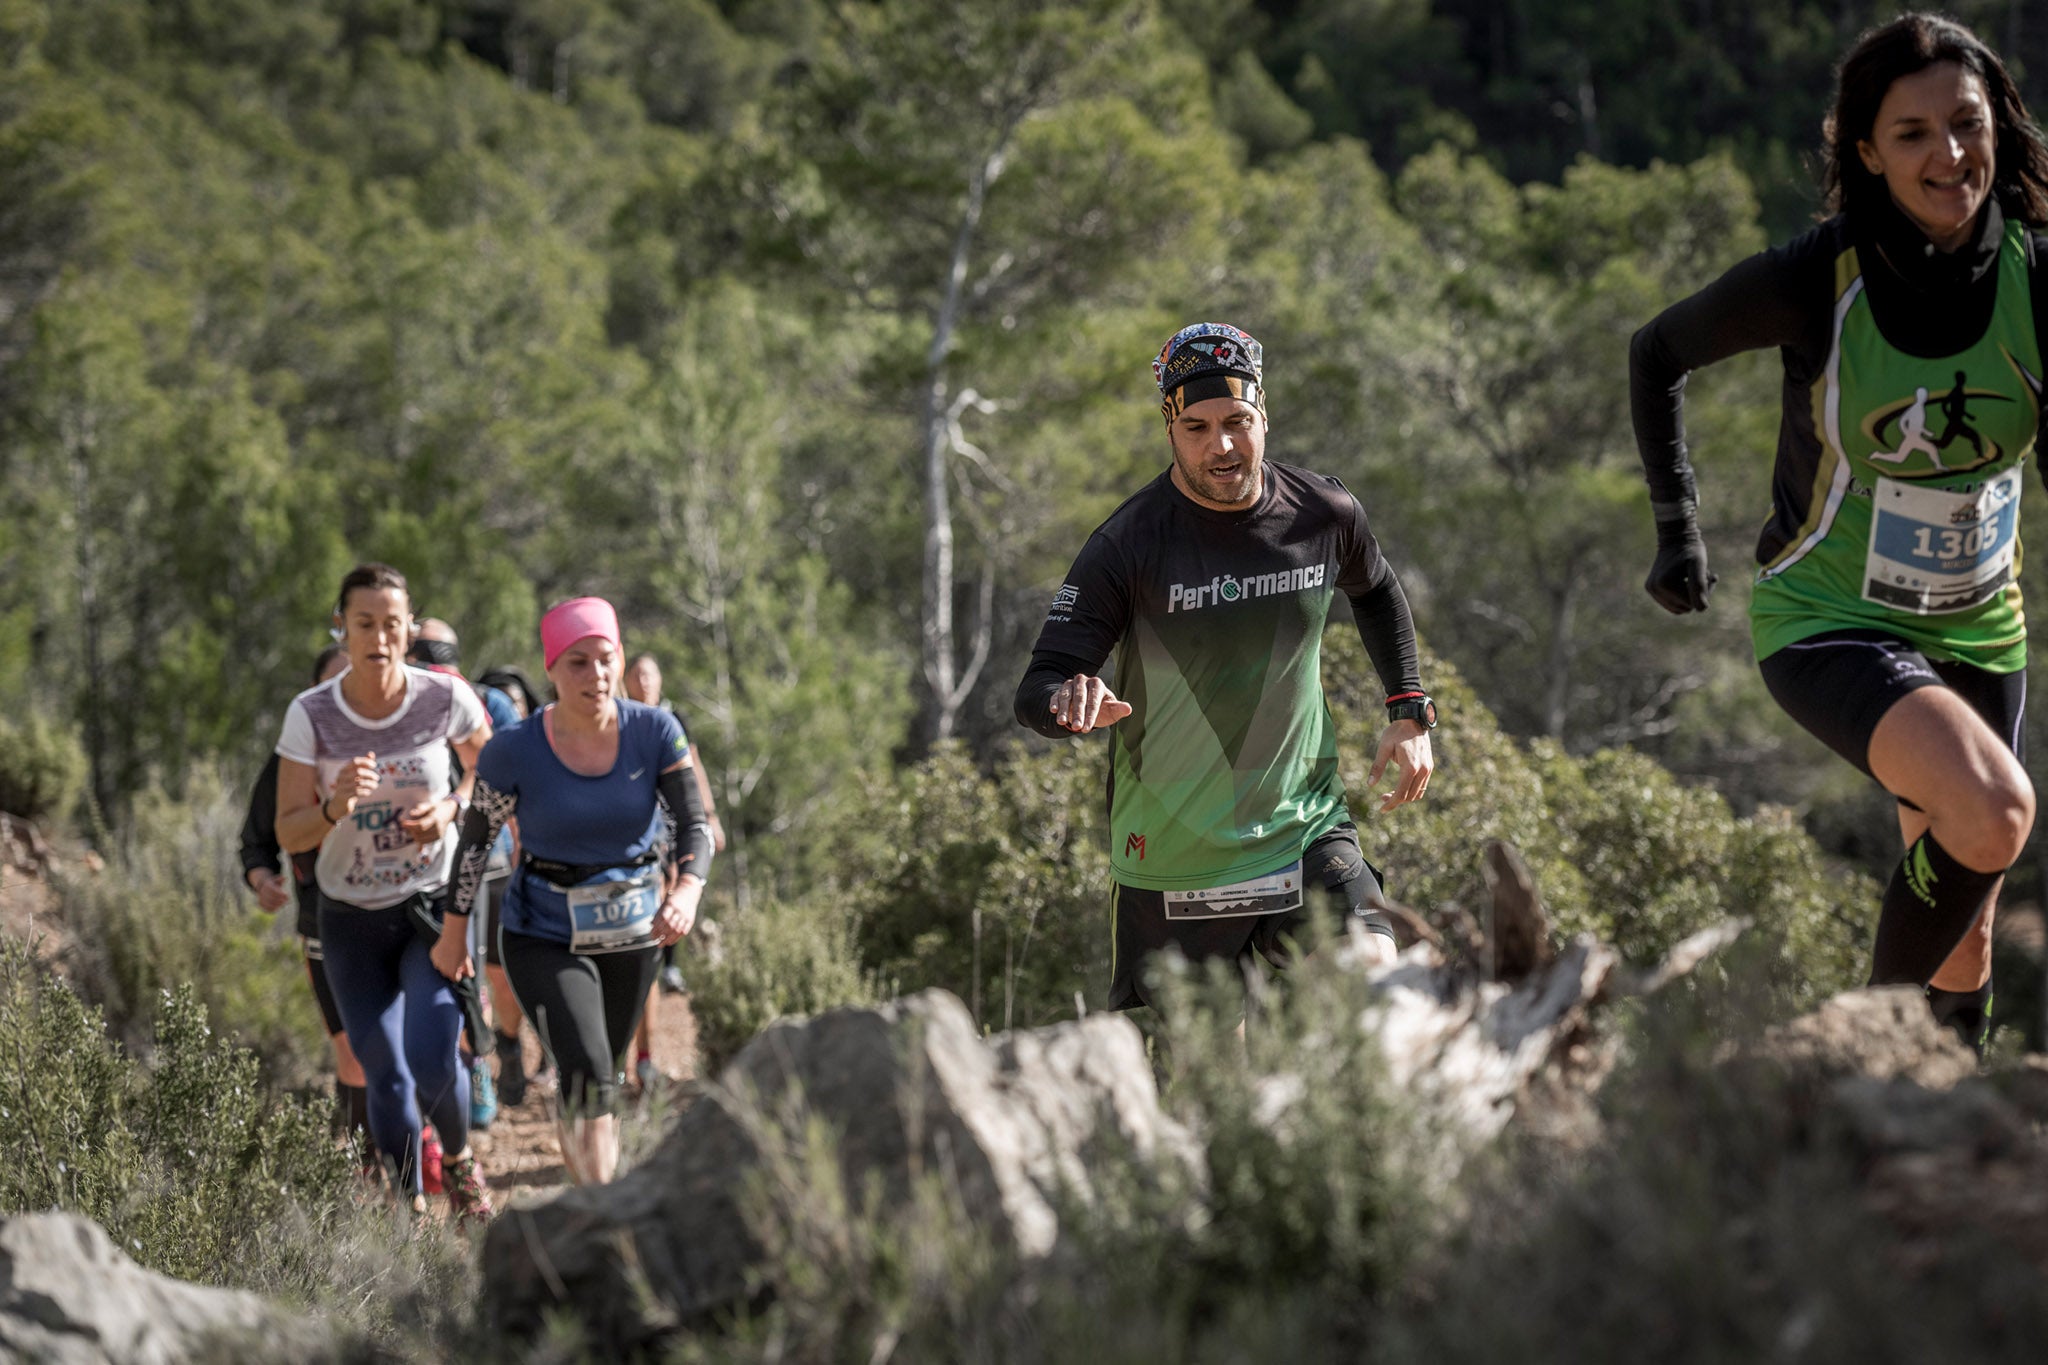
<point>511,1072</point>
<point>672,980</point>
<point>644,1072</point>
<point>483,1096</point>
<point>468,1196</point>
<point>430,1159</point>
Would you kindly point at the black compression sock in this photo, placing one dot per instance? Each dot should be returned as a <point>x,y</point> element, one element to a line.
<point>1931,903</point>
<point>1967,1012</point>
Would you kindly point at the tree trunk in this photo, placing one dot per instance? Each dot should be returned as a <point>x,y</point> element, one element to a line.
<point>950,683</point>
<point>1558,665</point>
<point>78,444</point>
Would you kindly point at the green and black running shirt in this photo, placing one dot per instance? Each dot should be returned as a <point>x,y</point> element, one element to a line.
<point>1911,398</point>
<point>1227,767</point>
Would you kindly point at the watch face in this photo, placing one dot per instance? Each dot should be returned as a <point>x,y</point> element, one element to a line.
<point>1429,712</point>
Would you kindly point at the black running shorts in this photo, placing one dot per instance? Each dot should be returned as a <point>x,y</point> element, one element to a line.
<point>1839,686</point>
<point>1334,872</point>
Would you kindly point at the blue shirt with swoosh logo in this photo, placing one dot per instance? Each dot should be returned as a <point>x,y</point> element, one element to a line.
<point>610,820</point>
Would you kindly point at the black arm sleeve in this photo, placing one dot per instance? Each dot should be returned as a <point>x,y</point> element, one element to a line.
<point>1047,670</point>
<point>1389,634</point>
<point>488,811</point>
<point>1767,300</point>
<point>259,831</point>
<point>1089,616</point>
<point>690,850</point>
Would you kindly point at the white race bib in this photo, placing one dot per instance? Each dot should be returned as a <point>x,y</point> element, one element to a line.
<point>611,917</point>
<point>1267,895</point>
<point>1936,550</point>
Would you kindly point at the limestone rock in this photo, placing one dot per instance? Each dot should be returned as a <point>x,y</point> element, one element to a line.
<point>1011,1126</point>
<point>1881,1033</point>
<point>69,1296</point>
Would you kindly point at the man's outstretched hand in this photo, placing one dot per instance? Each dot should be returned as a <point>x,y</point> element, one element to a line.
<point>1082,703</point>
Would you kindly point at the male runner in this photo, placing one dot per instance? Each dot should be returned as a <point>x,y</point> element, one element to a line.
<point>1212,586</point>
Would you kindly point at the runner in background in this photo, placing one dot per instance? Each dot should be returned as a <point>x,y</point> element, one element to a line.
<point>436,648</point>
<point>596,782</point>
<point>1886,615</point>
<point>643,684</point>
<point>263,866</point>
<point>505,1016</point>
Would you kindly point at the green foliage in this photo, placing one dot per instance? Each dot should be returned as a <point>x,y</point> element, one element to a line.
<point>779,958</point>
<point>994,886</point>
<point>1617,846</point>
<point>171,911</point>
<point>188,1165</point>
<point>42,768</point>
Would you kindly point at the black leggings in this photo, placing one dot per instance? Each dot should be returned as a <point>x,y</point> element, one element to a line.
<point>584,1006</point>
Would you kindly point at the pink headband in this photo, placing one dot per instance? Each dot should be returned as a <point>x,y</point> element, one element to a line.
<point>578,618</point>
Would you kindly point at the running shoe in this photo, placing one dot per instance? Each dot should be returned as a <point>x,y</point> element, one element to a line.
<point>645,1074</point>
<point>483,1096</point>
<point>430,1159</point>
<point>672,980</point>
<point>511,1072</point>
<point>468,1196</point>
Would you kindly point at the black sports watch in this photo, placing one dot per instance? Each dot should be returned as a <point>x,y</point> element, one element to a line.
<point>1418,706</point>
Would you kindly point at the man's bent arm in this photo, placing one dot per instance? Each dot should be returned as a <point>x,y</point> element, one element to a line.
<point>1388,630</point>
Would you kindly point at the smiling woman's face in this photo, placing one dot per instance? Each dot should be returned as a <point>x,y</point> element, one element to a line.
<point>1934,141</point>
<point>377,626</point>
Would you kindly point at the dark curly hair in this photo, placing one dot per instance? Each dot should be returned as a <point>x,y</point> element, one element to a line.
<point>1910,43</point>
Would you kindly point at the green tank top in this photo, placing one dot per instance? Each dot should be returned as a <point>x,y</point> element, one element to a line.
<point>1914,527</point>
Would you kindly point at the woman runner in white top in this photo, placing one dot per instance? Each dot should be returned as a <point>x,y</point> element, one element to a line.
<point>364,774</point>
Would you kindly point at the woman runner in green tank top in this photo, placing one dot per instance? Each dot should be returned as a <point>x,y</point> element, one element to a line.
<point>1886,615</point>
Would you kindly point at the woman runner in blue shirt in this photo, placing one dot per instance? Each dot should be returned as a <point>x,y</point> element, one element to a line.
<point>600,887</point>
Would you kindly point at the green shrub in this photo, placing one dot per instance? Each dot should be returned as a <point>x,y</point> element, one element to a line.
<point>196,1170</point>
<point>778,959</point>
<point>42,768</point>
<point>1618,847</point>
<point>170,910</point>
<point>994,886</point>
<point>189,1165</point>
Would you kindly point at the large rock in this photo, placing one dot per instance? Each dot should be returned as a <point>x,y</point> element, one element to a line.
<point>1954,1160</point>
<point>1012,1127</point>
<point>1881,1033</point>
<point>69,1296</point>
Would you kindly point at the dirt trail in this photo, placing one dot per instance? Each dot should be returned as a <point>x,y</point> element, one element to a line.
<point>520,1156</point>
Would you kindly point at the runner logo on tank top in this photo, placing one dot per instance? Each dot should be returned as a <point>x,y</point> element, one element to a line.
<point>1903,433</point>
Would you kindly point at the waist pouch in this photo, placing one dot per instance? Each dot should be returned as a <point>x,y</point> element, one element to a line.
<point>562,876</point>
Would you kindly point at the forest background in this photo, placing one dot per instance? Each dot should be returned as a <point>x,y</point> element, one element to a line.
<point>814,333</point>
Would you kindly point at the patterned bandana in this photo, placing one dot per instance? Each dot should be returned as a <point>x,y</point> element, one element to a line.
<point>1209,360</point>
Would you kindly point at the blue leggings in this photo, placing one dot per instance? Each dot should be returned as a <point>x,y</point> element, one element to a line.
<point>403,1020</point>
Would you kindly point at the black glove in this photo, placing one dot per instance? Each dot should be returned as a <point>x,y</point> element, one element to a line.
<point>1680,579</point>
